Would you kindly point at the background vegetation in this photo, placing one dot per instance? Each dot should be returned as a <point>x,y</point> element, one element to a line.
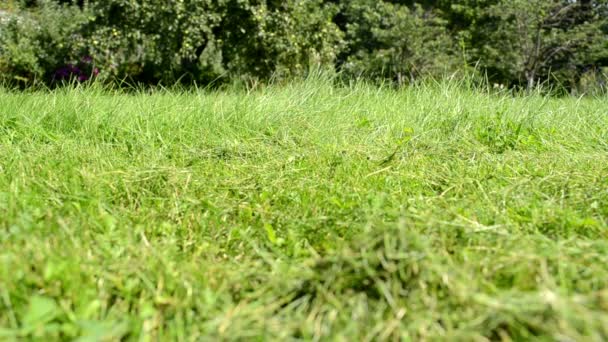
<point>514,43</point>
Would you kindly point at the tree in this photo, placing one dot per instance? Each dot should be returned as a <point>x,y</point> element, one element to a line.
<point>529,39</point>
<point>391,40</point>
<point>200,40</point>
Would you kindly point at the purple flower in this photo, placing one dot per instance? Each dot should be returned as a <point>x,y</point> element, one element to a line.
<point>82,71</point>
<point>62,73</point>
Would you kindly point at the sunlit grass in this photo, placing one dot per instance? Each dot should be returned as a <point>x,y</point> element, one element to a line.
<point>303,211</point>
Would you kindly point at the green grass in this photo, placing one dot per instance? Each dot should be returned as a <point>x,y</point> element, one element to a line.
<point>303,211</point>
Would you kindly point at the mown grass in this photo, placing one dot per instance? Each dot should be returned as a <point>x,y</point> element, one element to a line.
<point>305,211</point>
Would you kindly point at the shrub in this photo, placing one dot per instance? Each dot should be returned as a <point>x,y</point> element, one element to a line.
<point>516,43</point>
<point>387,40</point>
<point>35,44</point>
<point>201,40</point>
<point>165,41</point>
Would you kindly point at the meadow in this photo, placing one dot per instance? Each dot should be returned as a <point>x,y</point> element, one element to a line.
<point>303,211</point>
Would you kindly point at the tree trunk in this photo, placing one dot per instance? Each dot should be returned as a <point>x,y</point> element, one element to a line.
<point>531,78</point>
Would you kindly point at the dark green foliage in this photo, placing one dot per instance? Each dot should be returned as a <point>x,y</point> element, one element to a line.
<point>154,41</point>
<point>201,40</point>
<point>33,44</point>
<point>530,41</point>
<point>394,41</point>
<point>515,43</point>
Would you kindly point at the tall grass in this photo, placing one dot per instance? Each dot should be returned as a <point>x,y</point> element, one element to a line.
<point>303,211</point>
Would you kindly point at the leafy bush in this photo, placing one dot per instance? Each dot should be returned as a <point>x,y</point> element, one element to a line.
<point>200,40</point>
<point>394,41</point>
<point>159,40</point>
<point>516,43</point>
<point>35,44</point>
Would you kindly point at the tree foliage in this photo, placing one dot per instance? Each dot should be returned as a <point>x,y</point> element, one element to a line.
<point>205,39</point>
<point>516,43</point>
<point>390,40</point>
<point>528,40</point>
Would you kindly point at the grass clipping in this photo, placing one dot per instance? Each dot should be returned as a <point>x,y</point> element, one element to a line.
<point>393,283</point>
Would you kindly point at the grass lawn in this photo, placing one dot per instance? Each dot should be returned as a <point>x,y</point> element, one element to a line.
<point>305,211</point>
